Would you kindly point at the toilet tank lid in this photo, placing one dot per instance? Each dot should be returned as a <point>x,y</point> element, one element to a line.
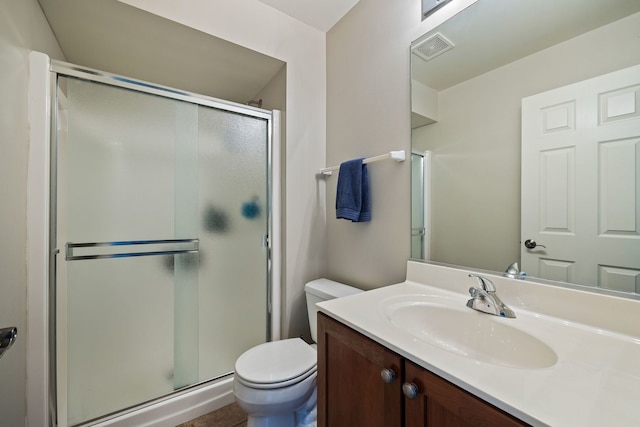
<point>328,289</point>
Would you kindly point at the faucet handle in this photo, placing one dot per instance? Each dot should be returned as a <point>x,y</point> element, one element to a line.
<point>486,284</point>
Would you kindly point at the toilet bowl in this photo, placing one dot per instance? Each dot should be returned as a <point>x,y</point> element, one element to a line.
<point>275,382</point>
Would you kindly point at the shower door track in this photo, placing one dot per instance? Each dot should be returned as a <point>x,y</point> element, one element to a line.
<point>157,400</point>
<point>71,70</point>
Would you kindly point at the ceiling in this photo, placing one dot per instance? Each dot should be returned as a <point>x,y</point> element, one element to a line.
<point>489,34</point>
<point>320,14</point>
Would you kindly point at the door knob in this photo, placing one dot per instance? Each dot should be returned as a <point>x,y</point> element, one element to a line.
<point>531,244</point>
<point>7,338</point>
<point>387,375</point>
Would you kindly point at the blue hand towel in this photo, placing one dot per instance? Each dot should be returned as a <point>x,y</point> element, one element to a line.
<point>352,197</point>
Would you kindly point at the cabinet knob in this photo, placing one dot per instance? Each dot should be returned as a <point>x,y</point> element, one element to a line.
<point>387,375</point>
<point>410,390</point>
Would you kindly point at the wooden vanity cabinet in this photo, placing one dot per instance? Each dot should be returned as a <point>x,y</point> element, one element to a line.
<point>351,390</point>
<point>440,403</point>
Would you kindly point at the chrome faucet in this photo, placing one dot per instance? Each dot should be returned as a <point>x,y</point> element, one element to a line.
<point>485,299</point>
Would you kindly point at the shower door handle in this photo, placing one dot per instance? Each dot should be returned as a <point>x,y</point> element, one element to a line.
<point>7,338</point>
<point>157,247</point>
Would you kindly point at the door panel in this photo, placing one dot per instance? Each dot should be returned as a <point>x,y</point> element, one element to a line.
<point>581,182</point>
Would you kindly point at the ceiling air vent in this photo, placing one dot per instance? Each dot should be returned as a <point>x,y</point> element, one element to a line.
<point>432,46</point>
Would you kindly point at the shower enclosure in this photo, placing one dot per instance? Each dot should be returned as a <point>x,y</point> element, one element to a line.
<point>160,224</point>
<point>421,205</point>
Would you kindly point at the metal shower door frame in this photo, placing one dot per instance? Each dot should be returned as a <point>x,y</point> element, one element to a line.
<point>272,240</point>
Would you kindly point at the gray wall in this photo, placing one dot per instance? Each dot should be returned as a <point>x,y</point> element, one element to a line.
<point>368,107</point>
<point>22,28</point>
<point>368,115</point>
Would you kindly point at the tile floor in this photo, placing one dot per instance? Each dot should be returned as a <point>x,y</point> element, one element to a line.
<point>227,416</point>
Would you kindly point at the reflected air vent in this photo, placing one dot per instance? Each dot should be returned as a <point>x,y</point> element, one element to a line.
<point>433,46</point>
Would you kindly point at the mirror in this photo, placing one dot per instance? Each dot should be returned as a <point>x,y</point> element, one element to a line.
<point>469,77</point>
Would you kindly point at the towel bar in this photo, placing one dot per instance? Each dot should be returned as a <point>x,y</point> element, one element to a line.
<point>398,156</point>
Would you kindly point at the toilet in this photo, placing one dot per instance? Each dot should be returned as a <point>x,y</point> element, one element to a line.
<point>275,382</point>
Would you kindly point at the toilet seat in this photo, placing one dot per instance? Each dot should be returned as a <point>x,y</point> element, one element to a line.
<point>276,364</point>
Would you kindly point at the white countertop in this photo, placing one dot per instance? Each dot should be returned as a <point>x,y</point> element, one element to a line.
<point>595,381</point>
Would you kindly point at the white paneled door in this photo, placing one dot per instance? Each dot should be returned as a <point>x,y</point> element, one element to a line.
<point>581,182</point>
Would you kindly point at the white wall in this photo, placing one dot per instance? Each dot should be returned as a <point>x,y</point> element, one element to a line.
<point>22,27</point>
<point>368,113</point>
<point>274,94</point>
<point>254,25</point>
<point>476,143</point>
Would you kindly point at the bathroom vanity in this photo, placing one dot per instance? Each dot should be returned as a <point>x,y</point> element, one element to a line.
<point>413,354</point>
<point>362,383</point>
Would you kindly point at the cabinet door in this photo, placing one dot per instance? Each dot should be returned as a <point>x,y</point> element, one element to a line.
<point>442,404</point>
<point>351,391</point>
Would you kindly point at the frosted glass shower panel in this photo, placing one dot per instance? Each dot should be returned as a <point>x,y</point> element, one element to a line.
<point>234,209</point>
<point>119,344</point>
<point>186,269</point>
<point>162,215</point>
<point>417,206</point>
<point>119,163</point>
<point>119,159</point>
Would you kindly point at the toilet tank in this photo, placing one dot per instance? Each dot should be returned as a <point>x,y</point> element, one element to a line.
<point>322,290</point>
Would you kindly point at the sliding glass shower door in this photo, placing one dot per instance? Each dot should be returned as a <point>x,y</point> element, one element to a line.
<point>161,218</point>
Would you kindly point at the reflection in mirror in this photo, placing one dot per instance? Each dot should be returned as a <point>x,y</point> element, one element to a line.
<point>484,86</point>
<point>429,7</point>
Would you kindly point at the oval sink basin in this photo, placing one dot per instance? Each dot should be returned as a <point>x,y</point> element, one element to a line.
<point>466,332</point>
